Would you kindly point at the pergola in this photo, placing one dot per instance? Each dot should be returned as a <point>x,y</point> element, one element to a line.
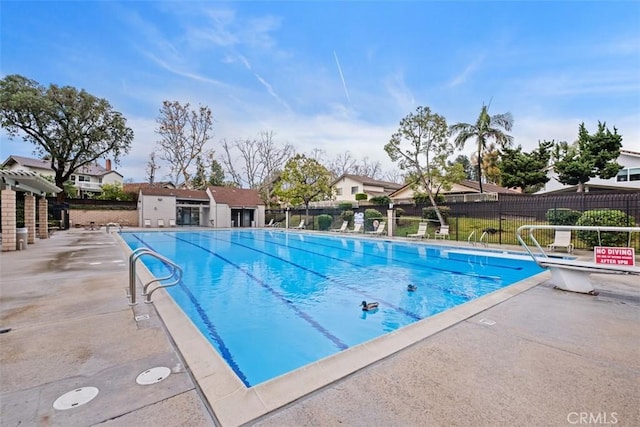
<point>34,186</point>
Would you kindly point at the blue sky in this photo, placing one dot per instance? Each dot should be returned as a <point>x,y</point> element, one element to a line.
<point>336,76</point>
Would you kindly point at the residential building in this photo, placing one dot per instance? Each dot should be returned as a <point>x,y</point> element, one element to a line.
<point>627,179</point>
<point>88,179</point>
<point>463,191</point>
<point>347,186</point>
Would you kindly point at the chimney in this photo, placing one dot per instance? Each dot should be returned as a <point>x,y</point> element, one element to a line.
<point>107,165</point>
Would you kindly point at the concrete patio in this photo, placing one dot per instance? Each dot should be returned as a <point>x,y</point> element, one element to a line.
<point>542,357</point>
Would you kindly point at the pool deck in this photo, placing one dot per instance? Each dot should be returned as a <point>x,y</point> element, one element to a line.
<point>532,355</point>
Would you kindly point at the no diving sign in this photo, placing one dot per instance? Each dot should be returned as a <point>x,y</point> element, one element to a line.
<point>614,256</point>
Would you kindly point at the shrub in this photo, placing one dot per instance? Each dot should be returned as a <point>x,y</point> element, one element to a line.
<point>380,200</point>
<point>430,213</point>
<point>563,216</point>
<point>371,215</point>
<point>343,206</point>
<point>361,196</point>
<point>347,216</point>
<point>324,221</point>
<point>604,218</point>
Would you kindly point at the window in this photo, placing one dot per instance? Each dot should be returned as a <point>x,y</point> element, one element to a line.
<point>623,175</point>
<point>82,178</point>
<point>354,190</point>
<point>634,174</point>
<point>72,178</point>
<point>339,191</point>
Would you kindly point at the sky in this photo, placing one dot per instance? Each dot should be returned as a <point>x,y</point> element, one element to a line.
<point>335,76</point>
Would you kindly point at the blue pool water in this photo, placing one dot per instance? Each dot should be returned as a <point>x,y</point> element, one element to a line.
<point>273,301</point>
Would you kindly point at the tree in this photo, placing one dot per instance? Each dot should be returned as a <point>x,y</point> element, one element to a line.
<point>303,180</point>
<point>261,160</point>
<point>152,167</point>
<point>345,163</point>
<point>216,173</point>
<point>425,136</point>
<point>199,181</point>
<point>114,192</point>
<point>184,135</point>
<point>527,171</point>
<point>71,127</point>
<point>469,171</point>
<point>491,164</point>
<point>485,129</point>
<point>591,156</point>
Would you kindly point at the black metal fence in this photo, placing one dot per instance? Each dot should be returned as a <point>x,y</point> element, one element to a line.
<point>497,220</point>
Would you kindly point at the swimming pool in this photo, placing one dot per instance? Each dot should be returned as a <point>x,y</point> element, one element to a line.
<point>273,301</point>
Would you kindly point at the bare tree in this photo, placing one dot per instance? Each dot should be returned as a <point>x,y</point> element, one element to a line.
<point>369,168</point>
<point>394,175</point>
<point>343,163</point>
<point>184,134</point>
<point>152,167</point>
<point>257,163</point>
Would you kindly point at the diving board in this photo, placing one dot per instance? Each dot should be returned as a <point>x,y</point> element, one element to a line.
<point>574,274</point>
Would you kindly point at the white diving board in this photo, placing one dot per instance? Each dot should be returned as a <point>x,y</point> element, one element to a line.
<point>574,274</point>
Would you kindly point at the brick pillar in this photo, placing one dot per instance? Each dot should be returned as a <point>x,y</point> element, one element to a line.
<point>8,200</point>
<point>43,213</point>
<point>30,217</point>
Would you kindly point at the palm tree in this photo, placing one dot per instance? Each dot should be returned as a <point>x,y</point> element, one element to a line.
<point>485,129</point>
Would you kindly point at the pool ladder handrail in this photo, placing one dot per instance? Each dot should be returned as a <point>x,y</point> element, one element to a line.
<point>175,272</point>
<point>474,241</point>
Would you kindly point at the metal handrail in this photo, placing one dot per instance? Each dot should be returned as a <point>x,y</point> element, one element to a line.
<point>175,271</point>
<point>485,243</point>
<point>473,234</point>
<point>599,230</point>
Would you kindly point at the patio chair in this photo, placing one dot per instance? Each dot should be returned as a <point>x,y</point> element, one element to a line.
<point>161,223</point>
<point>422,232</point>
<point>147,223</point>
<point>172,223</point>
<point>342,228</point>
<point>356,229</point>
<point>270,224</point>
<point>442,233</point>
<point>299,226</point>
<point>380,230</point>
<point>562,239</point>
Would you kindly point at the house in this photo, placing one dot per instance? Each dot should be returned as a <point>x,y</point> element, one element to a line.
<point>347,186</point>
<point>88,179</point>
<point>463,191</point>
<point>627,179</point>
<point>218,207</point>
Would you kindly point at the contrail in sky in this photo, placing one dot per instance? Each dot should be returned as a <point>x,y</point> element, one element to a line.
<point>344,84</point>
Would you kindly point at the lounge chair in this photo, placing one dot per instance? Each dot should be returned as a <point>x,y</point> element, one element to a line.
<point>172,223</point>
<point>299,226</point>
<point>270,224</point>
<point>380,230</point>
<point>147,223</point>
<point>562,240</point>
<point>422,232</point>
<point>442,233</point>
<point>356,229</point>
<point>161,223</point>
<point>342,228</point>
